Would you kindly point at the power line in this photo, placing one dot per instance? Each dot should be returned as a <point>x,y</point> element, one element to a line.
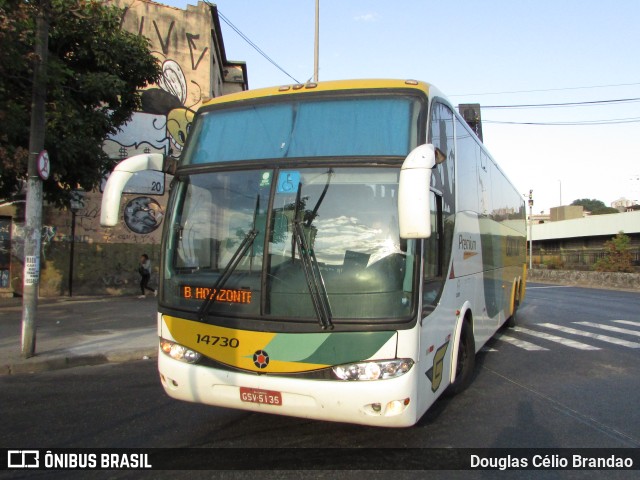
<point>613,121</point>
<point>568,104</point>
<point>594,103</point>
<point>546,90</point>
<point>254,46</point>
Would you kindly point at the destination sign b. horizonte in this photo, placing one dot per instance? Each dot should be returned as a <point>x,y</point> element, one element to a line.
<point>225,295</point>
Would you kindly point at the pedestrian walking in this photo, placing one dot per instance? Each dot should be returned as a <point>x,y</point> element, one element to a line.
<point>144,269</point>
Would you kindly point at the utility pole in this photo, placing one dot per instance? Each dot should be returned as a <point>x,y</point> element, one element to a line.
<point>316,43</point>
<point>560,181</point>
<point>530,229</point>
<point>33,211</point>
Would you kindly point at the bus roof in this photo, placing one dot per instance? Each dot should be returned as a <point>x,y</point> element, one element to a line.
<point>336,85</point>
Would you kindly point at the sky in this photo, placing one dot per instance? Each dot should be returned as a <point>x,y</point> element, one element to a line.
<point>493,52</point>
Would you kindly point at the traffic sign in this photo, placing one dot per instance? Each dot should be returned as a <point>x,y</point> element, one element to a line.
<point>44,166</point>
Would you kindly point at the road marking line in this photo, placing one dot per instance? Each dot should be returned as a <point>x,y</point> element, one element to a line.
<point>628,322</point>
<point>487,349</point>
<point>553,338</point>
<point>610,328</point>
<point>550,286</point>
<point>597,336</point>
<point>520,343</point>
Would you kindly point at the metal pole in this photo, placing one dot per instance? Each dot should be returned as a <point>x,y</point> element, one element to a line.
<point>71,252</point>
<point>530,229</point>
<point>560,181</point>
<point>33,211</point>
<point>316,43</point>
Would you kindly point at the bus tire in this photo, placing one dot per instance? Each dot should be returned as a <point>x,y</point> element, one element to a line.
<point>511,321</point>
<point>466,361</point>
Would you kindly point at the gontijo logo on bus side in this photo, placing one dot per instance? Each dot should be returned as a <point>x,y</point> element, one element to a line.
<point>271,352</point>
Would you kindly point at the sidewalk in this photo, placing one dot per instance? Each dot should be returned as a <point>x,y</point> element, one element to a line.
<point>79,331</point>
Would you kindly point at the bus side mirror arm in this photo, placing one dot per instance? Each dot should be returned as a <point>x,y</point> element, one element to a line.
<point>414,210</point>
<point>116,182</point>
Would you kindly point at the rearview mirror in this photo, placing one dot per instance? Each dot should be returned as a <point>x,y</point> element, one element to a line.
<point>414,211</point>
<point>112,193</point>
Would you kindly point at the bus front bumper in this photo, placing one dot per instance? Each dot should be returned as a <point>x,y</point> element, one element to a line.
<point>385,403</point>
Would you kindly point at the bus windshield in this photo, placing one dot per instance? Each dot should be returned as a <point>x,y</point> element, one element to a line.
<point>320,127</point>
<point>347,216</point>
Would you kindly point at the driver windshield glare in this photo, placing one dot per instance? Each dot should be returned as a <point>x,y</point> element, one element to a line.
<point>348,217</point>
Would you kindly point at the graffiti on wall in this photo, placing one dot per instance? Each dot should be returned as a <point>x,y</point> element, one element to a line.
<point>178,40</point>
<point>163,123</point>
<point>143,215</point>
<point>169,103</point>
<point>16,246</point>
<point>5,251</point>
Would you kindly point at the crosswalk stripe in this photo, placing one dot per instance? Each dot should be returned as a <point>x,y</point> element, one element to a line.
<point>487,349</point>
<point>553,338</point>
<point>610,328</point>
<point>520,343</point>
<point>628,322</point>
<point>597,336</point>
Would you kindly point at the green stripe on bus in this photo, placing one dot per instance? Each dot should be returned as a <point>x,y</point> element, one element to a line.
<point>327,349</point>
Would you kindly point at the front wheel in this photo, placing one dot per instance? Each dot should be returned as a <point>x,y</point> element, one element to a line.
<point>466,361</point>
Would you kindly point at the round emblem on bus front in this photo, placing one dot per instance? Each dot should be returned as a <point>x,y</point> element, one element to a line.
<point>261,359</point>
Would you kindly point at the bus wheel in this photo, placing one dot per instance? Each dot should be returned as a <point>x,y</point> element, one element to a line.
<point>511,321</point>
<point>466,361</point>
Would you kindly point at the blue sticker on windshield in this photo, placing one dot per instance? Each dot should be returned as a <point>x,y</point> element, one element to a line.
<point>288,182</point>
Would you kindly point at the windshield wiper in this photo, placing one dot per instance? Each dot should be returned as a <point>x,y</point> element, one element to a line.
<point>228,270</point>
<point>310,266</point>
<point>240,252</point>
<point>315,282</point>
<point>314,213</point>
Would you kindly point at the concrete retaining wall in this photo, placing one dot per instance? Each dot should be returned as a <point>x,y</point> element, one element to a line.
<point>627,281</point>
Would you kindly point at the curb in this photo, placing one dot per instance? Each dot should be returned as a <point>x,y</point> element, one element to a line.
<point>39,365</point>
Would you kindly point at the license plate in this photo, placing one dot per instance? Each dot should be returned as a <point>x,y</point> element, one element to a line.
<point>254,395</point>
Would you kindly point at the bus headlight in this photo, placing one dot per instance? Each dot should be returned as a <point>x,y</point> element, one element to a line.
<point>179,352</point>
<point>374,370</point>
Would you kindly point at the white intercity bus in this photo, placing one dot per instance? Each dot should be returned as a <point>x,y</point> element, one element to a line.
<point>337,251</point>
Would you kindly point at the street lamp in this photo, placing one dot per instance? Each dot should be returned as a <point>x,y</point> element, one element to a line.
<point>76,203</point>
<point>530,229</point>
<point>560,182</point>
<point>316,43</point>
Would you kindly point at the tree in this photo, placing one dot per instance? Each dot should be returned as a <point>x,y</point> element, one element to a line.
<point>596,207</point>
<point>617,257</point>
<point>95,72</point>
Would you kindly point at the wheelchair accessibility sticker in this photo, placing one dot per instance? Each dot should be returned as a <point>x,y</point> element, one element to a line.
<point>288,182</point>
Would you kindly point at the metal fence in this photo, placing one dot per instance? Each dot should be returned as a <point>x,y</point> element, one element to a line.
<point>575,259</point>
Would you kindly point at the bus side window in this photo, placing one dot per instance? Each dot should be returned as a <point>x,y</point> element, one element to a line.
<point>433,277</point>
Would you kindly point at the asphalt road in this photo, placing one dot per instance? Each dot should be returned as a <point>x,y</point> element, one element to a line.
<point>567,376</point>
